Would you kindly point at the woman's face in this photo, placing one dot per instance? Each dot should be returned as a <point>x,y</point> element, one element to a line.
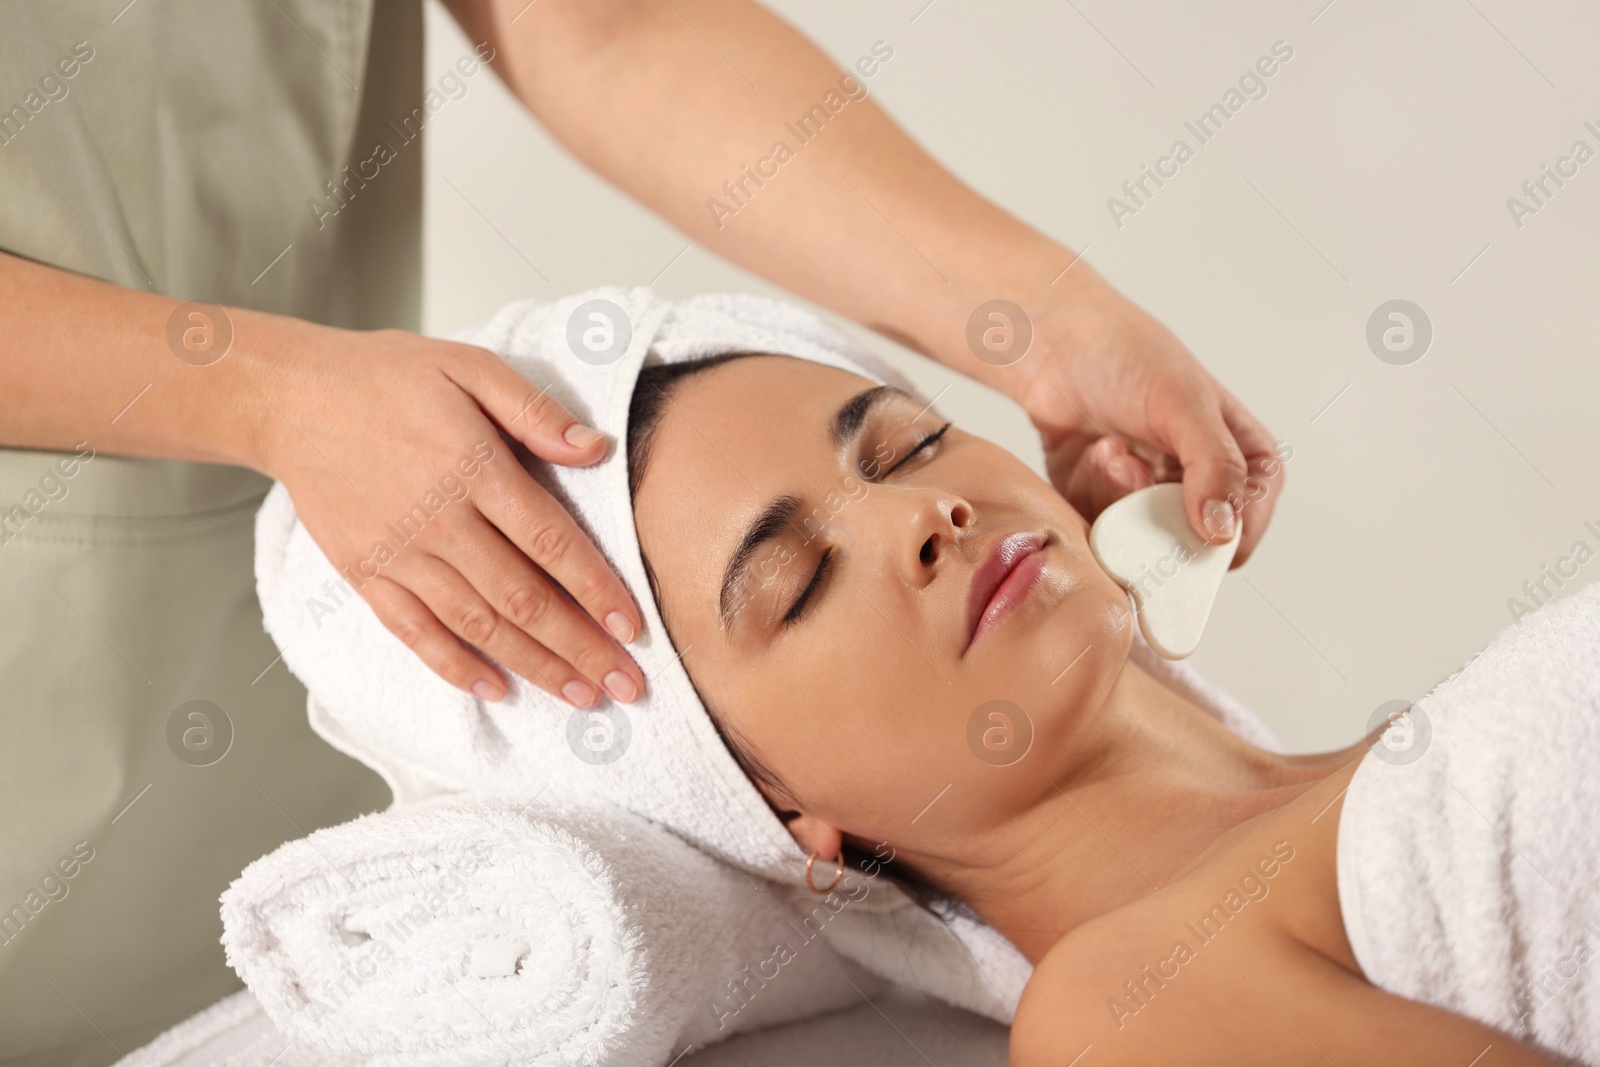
<point>816,568</point>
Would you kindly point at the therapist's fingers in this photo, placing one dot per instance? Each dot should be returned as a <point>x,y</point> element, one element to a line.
<point>524,409</point>
<point>1104,473</point>
<point>1232,469</point>
<point>530,518</point>
<point>526,546</point>
<point>1189,416</point>
<point>459,605</point>
<point>404,614</point>
<point>1264,457</point>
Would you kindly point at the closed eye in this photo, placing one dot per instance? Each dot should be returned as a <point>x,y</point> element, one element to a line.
<point>920,447</point>
<point>793,615</point>
<point>798,609</point>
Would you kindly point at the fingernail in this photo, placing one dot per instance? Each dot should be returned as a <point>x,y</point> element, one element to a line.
<point>579,693</point>
<point>621,686</point>
<point>1219,518</point>
<point>619,626</point>
<point>484,689</point>
<point>580,436</point>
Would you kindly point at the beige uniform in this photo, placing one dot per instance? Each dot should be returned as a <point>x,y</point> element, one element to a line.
<point>183,148</point>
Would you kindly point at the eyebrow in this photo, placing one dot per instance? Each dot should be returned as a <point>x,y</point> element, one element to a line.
<point>852,414</point>
<point>780,512</point>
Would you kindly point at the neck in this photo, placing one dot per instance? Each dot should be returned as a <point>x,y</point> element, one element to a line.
<point>1157,782</point>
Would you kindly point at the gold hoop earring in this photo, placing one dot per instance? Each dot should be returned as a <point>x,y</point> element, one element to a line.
<point>838,874</point>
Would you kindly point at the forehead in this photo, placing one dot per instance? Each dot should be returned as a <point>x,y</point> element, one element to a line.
<point>770,408</point>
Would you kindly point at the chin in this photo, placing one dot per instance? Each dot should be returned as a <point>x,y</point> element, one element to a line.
<point>1080,647</point>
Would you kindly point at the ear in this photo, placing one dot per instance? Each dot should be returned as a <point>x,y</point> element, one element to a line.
<point>816,836</point>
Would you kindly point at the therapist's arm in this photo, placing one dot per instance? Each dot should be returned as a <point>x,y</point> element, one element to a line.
<point>361,427</point>
<point>670,99</point>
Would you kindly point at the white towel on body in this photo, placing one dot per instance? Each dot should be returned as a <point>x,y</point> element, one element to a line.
<point>661,758</point>
<point>1469,841</point>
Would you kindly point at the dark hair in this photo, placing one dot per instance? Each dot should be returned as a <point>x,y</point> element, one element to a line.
<point>651,395</point>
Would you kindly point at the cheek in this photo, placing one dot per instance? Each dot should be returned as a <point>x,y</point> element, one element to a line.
<point>858,726</point>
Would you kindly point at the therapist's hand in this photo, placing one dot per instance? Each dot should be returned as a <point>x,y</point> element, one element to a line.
<point>1120,404</point>
<point>368,429</point>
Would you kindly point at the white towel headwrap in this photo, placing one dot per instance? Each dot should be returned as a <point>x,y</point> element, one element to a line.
<point>676,768</point>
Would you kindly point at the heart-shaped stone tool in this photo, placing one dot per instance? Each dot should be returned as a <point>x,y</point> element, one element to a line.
<point>1145,543</point>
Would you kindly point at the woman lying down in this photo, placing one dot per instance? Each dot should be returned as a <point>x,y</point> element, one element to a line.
<point>1186,897</point>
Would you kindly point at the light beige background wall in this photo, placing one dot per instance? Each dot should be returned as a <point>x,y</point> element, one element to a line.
<point>1419,497</point>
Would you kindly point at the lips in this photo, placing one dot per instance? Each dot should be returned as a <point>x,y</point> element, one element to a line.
<point>990,579</point>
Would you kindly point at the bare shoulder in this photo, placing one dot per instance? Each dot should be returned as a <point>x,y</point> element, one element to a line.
<point>1051,1025</point>
<point>1126,990</point>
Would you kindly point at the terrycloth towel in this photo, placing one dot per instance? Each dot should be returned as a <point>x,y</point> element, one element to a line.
<point>661,758</point>
<point>465,931</point>
<point>1469,842</point>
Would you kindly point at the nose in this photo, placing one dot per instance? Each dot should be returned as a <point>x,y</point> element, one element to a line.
<point>922,525</point>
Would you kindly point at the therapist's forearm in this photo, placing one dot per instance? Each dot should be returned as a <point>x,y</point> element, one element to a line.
<point>861,219</point>
<point>83,360</point>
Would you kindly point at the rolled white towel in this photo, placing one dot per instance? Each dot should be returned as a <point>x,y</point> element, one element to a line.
<point>487,930</point>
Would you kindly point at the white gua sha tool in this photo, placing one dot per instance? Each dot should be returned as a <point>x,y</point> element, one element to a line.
<point>1145,543</point>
